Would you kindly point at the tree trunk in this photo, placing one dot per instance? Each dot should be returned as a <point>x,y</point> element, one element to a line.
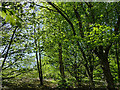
<point>41,75</point>
<point>37,56</point>
<point>91,67</point>
<point>107,73</point>
<point>117,29</point>
<point>78,80</point>
<point>61,62</point>
<point>77,77</point>
<point>103,56</point>
<point>92,85</point>
<point>118,63</point>
<point>91,79</point>
<point>90,76</point>
<point>8,49</point>
<point>38,65</point>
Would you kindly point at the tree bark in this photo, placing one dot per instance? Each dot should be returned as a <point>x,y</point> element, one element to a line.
<point>117,29</point>
<point>107,73</point>
<point>37,55</point>
<point>37,63</point>
<point>103,56</point>
<point>76,67</point>
<point>61,62</point>
<point>8,49</point>
<point>90,75</point>
<point>91,70</point>
<point>118,63</point>
<point>41,75</point>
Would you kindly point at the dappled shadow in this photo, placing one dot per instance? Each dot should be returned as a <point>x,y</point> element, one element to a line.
<point>34,84</point>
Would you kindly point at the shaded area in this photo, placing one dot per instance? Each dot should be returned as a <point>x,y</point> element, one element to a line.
<point>49,84</point>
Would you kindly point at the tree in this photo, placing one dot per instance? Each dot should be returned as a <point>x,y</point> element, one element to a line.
<point>77,40</point>
<point>101,51</point>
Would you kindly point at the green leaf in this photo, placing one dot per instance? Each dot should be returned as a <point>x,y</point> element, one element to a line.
<point>2,14</point>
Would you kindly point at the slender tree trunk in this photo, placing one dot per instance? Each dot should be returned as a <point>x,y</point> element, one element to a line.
<point>76,73</point>
<point>61,62</point>
<point>8,49</point>
<point>41,75</point>
<point>37,63</point>
<point>37,55</point>
<point>90,68</point>
<point>90,76</point>
<point>78,80</point>
<point>91,79</point>
<point>91,71</point>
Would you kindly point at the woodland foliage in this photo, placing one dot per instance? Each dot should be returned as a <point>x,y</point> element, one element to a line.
<point>70,42</point>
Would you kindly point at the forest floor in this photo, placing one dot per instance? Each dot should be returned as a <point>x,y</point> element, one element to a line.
<point>29,84</point>
<point>34,84</point>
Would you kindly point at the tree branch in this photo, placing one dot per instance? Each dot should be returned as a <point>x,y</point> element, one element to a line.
<point>8,49</point>
<point>11,77</point>
<point>66,18</point>
<point>14,52</point>
<point>79,20</point>
<point>11,64</point>
<point>4,49</point>
<point>46,8</point>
